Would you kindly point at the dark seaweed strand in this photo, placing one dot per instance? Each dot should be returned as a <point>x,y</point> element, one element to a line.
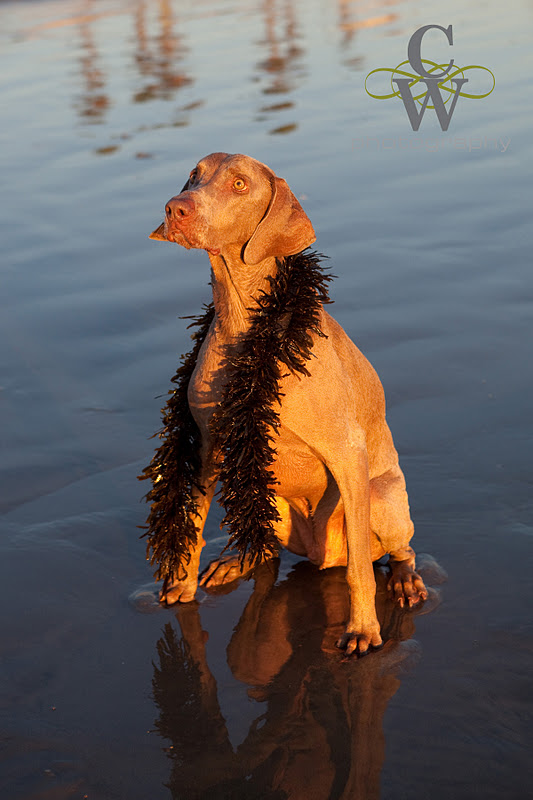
<point>174,472</point>
<point>281,334</point>
<point>303,284</point>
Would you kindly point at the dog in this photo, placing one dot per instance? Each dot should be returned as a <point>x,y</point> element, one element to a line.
<point>340,493</point>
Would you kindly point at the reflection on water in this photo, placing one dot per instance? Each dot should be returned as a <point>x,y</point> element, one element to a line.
<point>93,101</point>
<point>159,57</point>
<point>161,51</point>
<point>158,54</point>
<point>357,16</point>
<point>283,66</point>
<point>321,735</point>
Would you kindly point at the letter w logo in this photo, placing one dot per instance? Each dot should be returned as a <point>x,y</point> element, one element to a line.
<point>432,83</point>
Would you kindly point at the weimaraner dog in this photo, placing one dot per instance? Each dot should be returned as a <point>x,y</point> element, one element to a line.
<point>339,489</point>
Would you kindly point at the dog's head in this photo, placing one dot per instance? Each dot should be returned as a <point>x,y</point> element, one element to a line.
<point>235,202</point>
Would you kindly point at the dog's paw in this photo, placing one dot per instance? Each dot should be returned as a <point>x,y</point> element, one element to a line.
<point>406,585</point>
<point>224,570</point>
<point>179,592</point>
<point>359,643</point>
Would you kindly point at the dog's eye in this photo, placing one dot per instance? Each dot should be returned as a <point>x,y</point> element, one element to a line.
<point>239,184</point>
<point>193,175</point>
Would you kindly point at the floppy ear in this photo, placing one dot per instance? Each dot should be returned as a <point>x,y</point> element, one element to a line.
<point>284,230</point>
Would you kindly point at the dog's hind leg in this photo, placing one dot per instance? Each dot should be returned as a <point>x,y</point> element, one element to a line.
<point>405,584</point>
<point>393,529</point>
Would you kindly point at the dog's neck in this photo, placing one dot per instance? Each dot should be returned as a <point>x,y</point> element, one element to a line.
<point>236,288</point>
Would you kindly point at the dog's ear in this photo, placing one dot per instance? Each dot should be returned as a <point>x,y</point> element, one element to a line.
<point>284,230</point>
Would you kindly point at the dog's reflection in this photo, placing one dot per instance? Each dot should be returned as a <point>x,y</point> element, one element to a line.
<point>321,736</point>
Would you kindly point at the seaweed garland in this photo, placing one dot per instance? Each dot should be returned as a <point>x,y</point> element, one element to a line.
<point>244,425</point>
<point>174,472</point>
<point>246,421</point>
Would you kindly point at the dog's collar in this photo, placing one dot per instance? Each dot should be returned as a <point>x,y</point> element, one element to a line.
<point>280,336</point>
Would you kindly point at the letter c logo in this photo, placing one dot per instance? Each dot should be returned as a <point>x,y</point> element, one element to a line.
<point>415,57</point>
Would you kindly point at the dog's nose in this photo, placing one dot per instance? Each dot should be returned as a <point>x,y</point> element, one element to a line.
<point>179,207</point>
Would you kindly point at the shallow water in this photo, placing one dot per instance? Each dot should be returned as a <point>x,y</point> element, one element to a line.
<point>106,106</point>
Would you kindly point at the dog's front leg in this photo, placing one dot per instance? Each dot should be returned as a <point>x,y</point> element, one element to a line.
<point>351,475</point>
<point>184,590</point>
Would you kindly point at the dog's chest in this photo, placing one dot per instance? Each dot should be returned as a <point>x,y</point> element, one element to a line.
<point>297,470</point>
